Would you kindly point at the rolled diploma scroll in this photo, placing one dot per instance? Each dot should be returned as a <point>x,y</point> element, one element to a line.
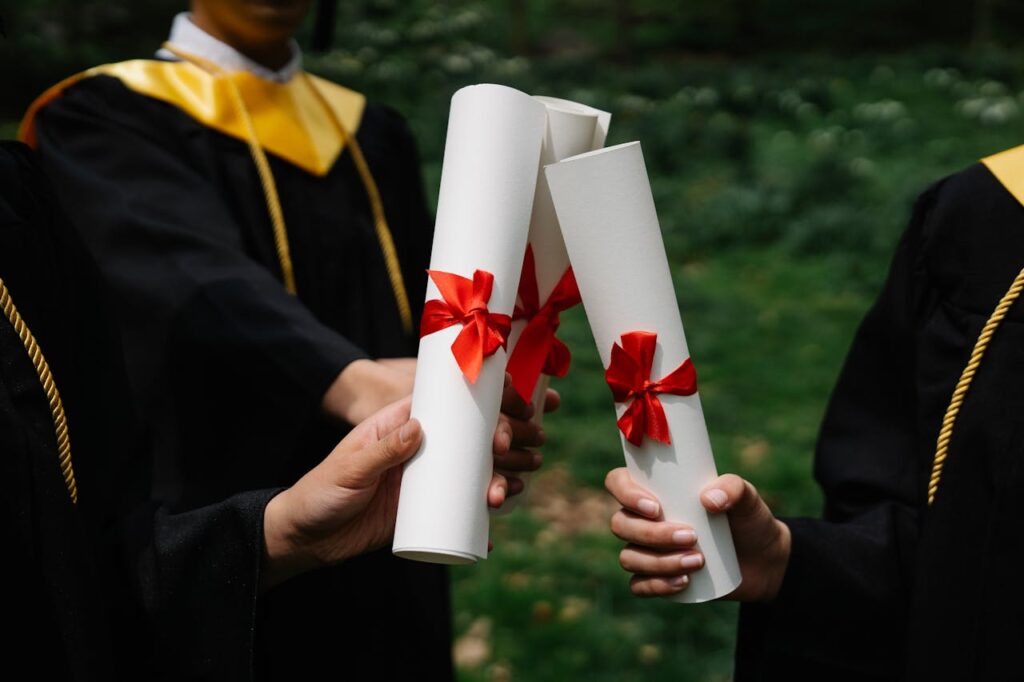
<point>483,214</point>
<point>607,215</point>
<point>572,128</point>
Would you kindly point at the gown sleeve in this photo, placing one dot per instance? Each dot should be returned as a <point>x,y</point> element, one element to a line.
<point>180,589</point>
<point>194,584</point>
<point>170,247</point>
<point>843,607</point>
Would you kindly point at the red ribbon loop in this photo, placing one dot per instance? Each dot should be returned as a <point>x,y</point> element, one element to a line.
<point>465,302</point>
<point>538,351</point>
<point>629,377</point>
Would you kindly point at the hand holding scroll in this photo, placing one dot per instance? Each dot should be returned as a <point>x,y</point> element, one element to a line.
<point>660,554</point>
<point>346,505</point>
<point>517,433</point>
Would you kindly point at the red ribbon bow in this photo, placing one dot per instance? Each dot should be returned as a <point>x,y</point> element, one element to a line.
<point>628,376</point>
<point>538,351</point>
<point>465,302</point>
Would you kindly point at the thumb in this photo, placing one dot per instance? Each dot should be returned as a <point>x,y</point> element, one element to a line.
<point>733,494</point>
<point>362,468</point>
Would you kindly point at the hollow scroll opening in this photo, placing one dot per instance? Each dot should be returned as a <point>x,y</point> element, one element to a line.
<point>436,556</point>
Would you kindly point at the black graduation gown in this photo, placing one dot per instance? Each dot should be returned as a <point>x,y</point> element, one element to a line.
<point>886,588</point>
<point>114,587</point>
<point>229,369</point>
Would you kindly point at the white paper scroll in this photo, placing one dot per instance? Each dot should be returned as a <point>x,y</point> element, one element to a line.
<point>607,215</point>
<point>572,128</point>
<point>483,214</point>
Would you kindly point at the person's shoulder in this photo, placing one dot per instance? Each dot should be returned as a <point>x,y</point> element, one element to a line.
<point>973,194</point>
<point>15,158</point>
<point>973,236</point>
<point>385,134</point>
<point>380,128</point>
<point>382,119</point>
<point>114,92</point>
<point>23,186</point>
<point>385,117</point>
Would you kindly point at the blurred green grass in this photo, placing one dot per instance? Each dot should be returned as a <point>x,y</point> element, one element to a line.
<point>783,184</point>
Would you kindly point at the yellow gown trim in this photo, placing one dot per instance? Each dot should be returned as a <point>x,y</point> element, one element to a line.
<point>288,118</point>
<point>1008,168</point>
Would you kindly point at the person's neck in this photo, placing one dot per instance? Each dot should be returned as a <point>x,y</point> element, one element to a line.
<point>274,56</point>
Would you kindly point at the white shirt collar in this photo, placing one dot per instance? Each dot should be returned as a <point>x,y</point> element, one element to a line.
<point>189,38</point>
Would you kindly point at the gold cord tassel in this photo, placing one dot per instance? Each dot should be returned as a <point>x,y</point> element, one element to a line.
<point>60,422</point>
<point>960,392</point>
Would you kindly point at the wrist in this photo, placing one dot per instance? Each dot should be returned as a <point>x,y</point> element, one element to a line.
<point>345,396</point>
<point>283,553</point>
<point>779,561</point>
<point>363,388</point>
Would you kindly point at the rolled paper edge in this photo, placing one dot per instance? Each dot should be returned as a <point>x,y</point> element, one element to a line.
<point>604,118</point>
<point>432,555</point>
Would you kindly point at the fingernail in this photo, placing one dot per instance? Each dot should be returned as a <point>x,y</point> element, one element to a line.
<point>684,537</point>
<point>405,434</point>
<point>647,506</point>
<point>691,561</point>
<point>717,498</point>
<point>679,581</point>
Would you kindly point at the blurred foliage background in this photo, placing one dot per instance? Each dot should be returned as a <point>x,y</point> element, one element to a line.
<point>786,141</point>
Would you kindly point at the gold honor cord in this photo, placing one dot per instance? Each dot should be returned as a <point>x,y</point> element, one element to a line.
<point>60,422</point>
<point>380,223</point>
<point>259,157</point>
<point>960,392</point>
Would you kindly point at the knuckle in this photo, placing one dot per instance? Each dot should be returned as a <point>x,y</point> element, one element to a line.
<point>612,480</point>
<point>652,537</point>
<point>732,481</point>
<point>389,446</point>
<point>609,480</point>
<point>750,490</point>
<point>618,519</point>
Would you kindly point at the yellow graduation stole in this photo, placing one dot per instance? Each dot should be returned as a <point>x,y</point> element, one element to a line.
<point>1008,168</point>
<point>289,119</point>
<point>307,121</point>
